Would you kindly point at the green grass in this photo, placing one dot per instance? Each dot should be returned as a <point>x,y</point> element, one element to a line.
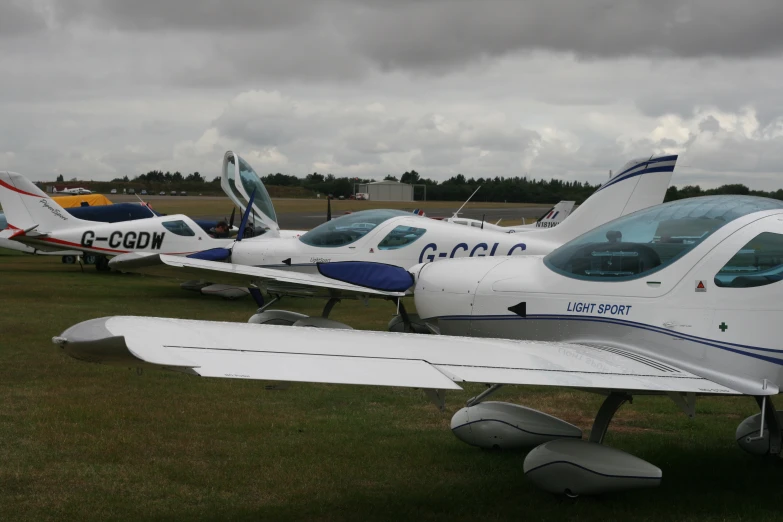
<point>88,442</point>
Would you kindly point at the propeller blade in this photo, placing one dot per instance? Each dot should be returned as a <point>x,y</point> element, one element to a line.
<point>245,216</point>
<point>231,219</point>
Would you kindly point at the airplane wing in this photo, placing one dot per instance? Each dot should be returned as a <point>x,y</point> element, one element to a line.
<point>265,352</point>
<point>270,280</point>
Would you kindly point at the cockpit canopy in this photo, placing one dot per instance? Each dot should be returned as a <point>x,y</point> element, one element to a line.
<point>240,182</point>
<point>646,241</point>
<point>345,230</point>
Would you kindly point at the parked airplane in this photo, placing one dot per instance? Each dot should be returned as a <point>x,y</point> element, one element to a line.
<point>680,300</point>
<point>403,239</point>
<point>73,191</point>
<point>36,220</point>
<point>549,219</point>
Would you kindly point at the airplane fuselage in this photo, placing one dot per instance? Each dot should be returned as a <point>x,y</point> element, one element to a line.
<point>177,235</point>
<point>680,314</point>
<point>439,241</point>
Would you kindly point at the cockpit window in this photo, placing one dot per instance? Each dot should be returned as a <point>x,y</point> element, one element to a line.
<point>346,229</point>
<point>649,240</point>
<point>250,182</point>
<point>401,236</point>
<point>179,228</point>
<point>758,263</point>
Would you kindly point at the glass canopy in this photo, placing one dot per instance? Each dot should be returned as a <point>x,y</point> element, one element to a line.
<point>647,241</point>
<point>344,230</point>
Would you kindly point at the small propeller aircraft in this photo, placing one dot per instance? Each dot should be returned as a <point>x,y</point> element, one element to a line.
<point>680,300</point>
<point>75,191</point>
<point>36,220</point>
<point>392,237</point>
<point>549,219</point>
<point>110,213</point>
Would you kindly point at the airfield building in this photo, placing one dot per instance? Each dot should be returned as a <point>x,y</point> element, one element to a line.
<point>387,191</point>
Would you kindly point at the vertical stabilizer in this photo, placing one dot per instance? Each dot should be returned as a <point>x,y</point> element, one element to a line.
<point>26,206</point>
<point>641,183</point>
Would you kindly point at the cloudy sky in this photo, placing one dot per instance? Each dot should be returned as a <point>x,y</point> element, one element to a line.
<point>549,88</point>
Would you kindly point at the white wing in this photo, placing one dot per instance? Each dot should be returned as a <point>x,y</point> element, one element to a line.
<point>268,279</point>
<point>250,351</point>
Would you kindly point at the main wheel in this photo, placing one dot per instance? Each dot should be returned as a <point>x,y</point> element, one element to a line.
<point>102,264</point>
<point>90,259</point>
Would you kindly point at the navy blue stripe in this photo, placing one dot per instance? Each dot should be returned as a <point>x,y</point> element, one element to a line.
<point>590,470</point>
<point>669,168</point>
<point>648,162</point>
<point>518,428</point>
<point>700,340</point>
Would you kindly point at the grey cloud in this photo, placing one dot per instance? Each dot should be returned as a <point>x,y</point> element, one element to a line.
<point>435,35</point>
<point>709,124</point>
<point>21,17</point>
<point>189,15</point>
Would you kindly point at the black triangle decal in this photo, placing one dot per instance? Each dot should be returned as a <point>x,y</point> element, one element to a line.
<point>287,261</point>
<point>520,309</point>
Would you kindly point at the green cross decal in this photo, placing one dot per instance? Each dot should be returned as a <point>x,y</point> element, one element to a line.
<point>723,327</point>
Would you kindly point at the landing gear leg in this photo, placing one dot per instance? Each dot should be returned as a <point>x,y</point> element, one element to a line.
<point>406,320</point>
<point>605,414</point>
<point>328,307</point>
<point>102,264</point>
<point>770,417</point>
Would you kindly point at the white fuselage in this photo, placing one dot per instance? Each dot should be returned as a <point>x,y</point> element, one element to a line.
<point>734,331</point>
<point>441,240</point>
<point>162,235</point>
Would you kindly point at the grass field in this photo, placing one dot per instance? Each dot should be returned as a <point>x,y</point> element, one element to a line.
<point>88,442</point>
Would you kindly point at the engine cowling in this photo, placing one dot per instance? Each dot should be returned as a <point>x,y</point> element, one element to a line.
<point>504,425</point>
<point>748,431</point>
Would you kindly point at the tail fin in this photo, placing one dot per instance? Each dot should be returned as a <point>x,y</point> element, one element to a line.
<point>26,206</point>
<point>556,214</point>
<point>641,183</point>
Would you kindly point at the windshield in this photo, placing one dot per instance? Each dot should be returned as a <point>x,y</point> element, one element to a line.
<point>647,241</point>
<point>346,229</point>
<point>251,182</point>
<point>178,227</point>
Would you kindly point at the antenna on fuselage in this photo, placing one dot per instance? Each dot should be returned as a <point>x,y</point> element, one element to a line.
<point>466,202</point>
<point>146,205</point>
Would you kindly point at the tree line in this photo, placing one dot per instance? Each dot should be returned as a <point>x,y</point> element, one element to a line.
<point>457,188</point>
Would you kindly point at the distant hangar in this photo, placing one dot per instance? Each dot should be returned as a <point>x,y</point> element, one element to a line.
<point>386,191</point>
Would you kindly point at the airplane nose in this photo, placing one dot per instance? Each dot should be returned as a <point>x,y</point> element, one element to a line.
<point>447,288</point>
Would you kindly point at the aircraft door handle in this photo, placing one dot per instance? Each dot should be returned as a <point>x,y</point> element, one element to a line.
<point>670,324</point>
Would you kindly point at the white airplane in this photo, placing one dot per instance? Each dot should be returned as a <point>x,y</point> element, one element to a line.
<point>36,220</point>
<point>551,218</point>
<point>680,300</point>
<point>78,191</point>
<point>396,237</point>
<point>20,247</point>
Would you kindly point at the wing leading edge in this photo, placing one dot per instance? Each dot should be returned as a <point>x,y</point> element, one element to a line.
<point>265,352</point>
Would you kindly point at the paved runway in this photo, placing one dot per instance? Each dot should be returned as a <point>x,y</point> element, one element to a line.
<point>310,219</point>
